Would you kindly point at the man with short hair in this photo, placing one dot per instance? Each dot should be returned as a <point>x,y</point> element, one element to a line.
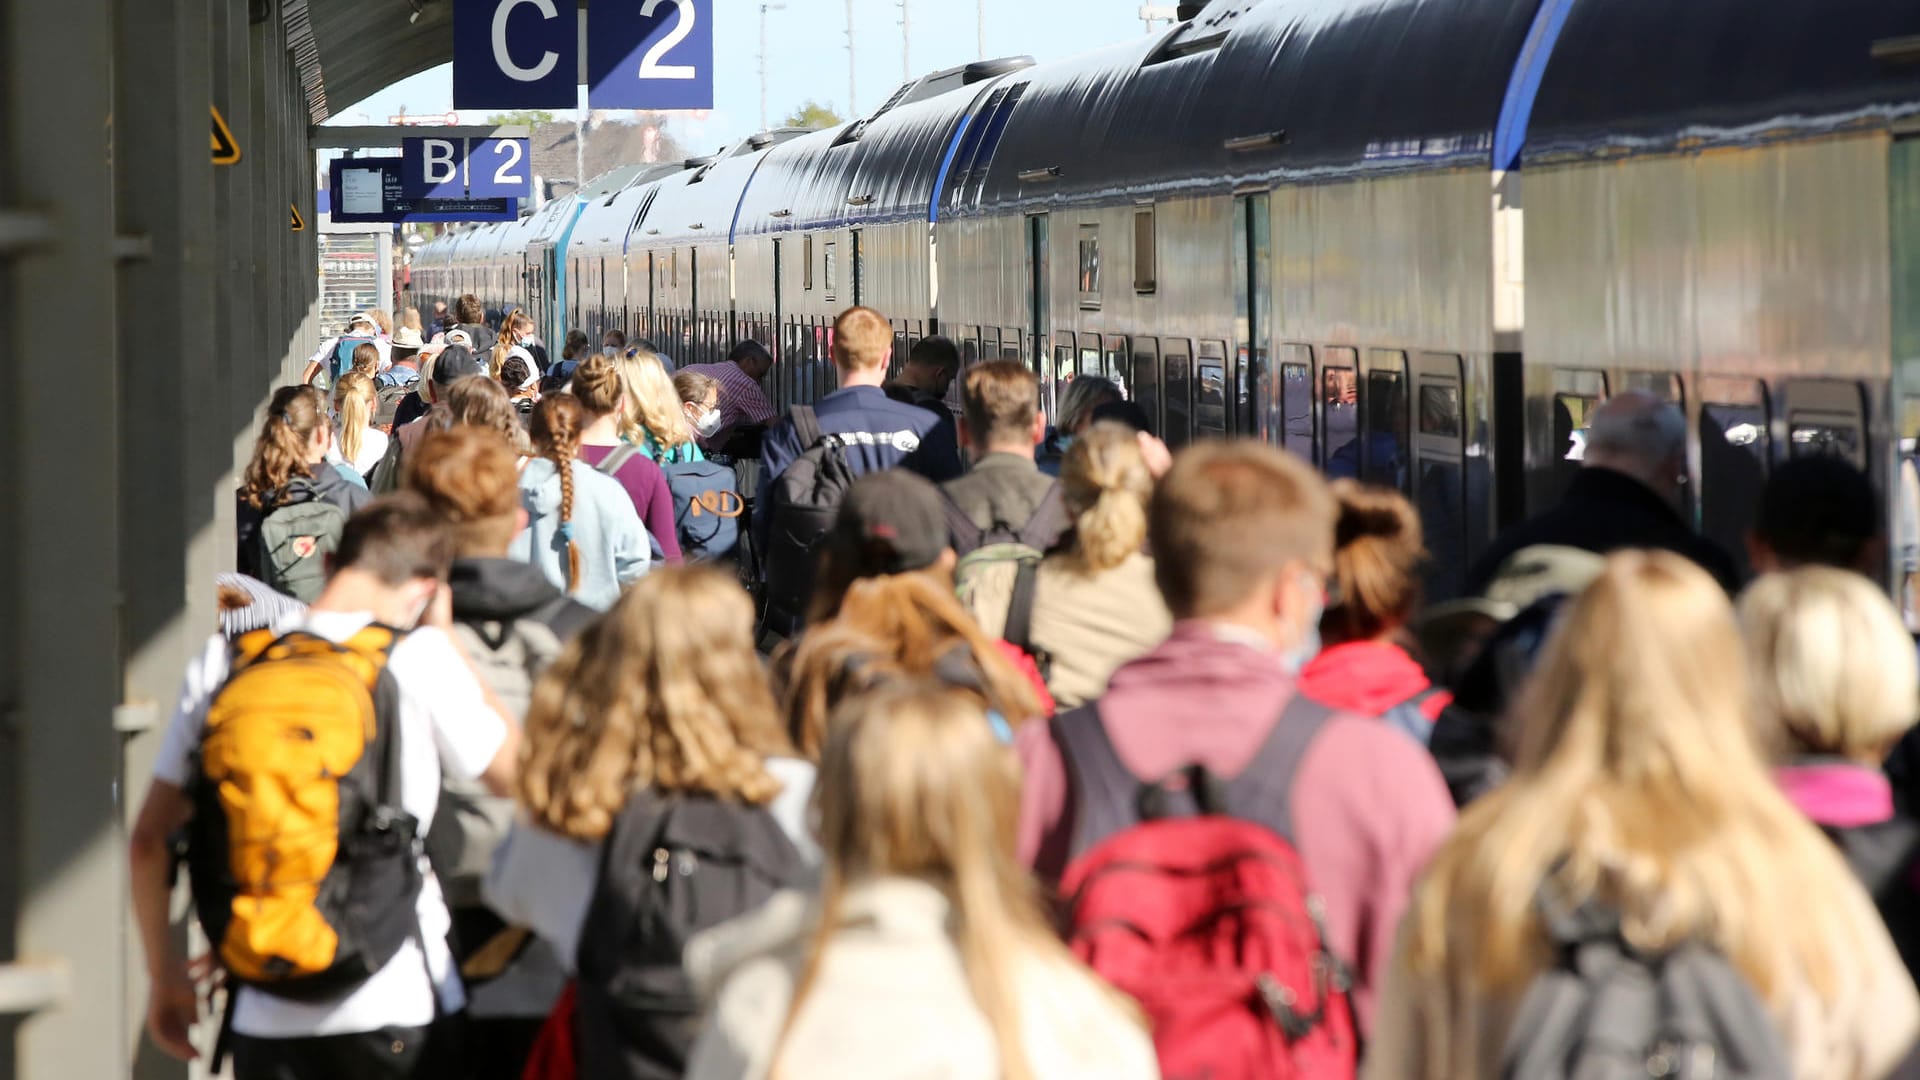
<point>391,570</point>
<point>1243,540</point>
<point>453,363</point>
<point>931,368</point>
<point>336,357</point>
<point>471,316</point>
<point>1625,495</point>
<point>1817,511</point>
<point>743,401</point>
<point>1001,423</point>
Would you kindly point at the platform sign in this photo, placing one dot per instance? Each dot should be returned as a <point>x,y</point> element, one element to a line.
<point>373,191</point>
<point>650,54</point>
<point>516,54</point>
<point>467,168</point>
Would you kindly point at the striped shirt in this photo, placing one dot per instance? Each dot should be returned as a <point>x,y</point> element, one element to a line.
<point>742,401</point>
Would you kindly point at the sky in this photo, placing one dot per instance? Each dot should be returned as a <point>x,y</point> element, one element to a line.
<point>807,56</point>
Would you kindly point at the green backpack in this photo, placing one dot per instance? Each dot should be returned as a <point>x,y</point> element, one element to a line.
<point>295,538</point>
<point>999,566</point>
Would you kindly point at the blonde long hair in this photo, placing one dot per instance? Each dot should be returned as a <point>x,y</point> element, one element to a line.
<point>914,784</point>
<point>653,405</point>
<point>1639,782</point>
<point>665,692</point>
<point>353,401</point>
<point>1106,485</point>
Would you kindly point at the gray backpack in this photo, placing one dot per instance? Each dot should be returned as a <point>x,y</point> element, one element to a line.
<point>471,822</point>
<point>1607,1012</point>
<point>295,538</point>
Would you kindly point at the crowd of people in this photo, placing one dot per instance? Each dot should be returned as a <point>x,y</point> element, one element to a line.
<point>579,716</point>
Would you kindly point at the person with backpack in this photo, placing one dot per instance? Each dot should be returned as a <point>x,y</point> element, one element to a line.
<point>651,416</point>
<point>1640,888</point>
<point>301,765</point>
<point>927,378</point>
<point>470,318</point>
<point>1092,604</point>
<point>1838,681</point>
<point>658,798</point>
<point>582,531</point>
<point>452,364</point>
<point>395,385</point>
<point>335,357</point>
<point>1004,499</point>
<point>1363,665</point>
<point>707,505</point>
<point>885,597</point>
<point>357,442</point>
<point>602,393</point>
<point>512,623</point>
<point>925,952</point>
<point>809,459</point>
<point>1211,723</point>
<point>292,504</point>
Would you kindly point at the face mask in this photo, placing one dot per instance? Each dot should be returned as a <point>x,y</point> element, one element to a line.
<point>707,424</point>
<point>1064,442</point>
<point>1309,646</point>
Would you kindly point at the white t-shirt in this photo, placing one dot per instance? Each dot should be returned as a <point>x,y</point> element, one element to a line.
<point>373,447</point>
<point>444,718</point>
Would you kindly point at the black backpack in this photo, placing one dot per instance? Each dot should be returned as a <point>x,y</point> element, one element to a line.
<point>672,867</point>
<point>1605,1011</point>
<point>805,499</point>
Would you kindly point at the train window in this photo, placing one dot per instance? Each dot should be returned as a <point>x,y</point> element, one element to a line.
<point>1062,369</point>
<point>1089,354</point>
<point>1210,401</point>
<point>1178,364</point>
<point>1146,379</point>
<point>1010,346</point>
<point>1826,417</point>
<point>827,271</point>
<point>1817,434</point>
<point>806,274</point>
<point>989,343</point>
<point>1294,424</point>
<point>1661,384</point>
<point>1118,366</point>
<point>1440,409</point>
<point>1340,412</point>
<point>1734,454</point>
<point>1384,453</point>
<point>1090,266</point>
<point>1578,393</point>
<point>1144,253</point>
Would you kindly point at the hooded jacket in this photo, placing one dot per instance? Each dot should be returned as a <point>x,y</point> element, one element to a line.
<point>502,590</point>
<point>606,530</point>
<point>1370,678</point>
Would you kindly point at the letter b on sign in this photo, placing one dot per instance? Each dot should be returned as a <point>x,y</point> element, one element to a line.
<point>515,54</point>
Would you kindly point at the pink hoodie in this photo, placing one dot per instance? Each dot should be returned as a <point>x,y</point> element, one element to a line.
<point>1368,804</point>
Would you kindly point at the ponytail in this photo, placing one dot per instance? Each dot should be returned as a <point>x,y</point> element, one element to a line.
<point>280,452</point>
<point>1105,483</point>
<point>353,401</point>
<point>558,422</point>
<point>1377,563</point>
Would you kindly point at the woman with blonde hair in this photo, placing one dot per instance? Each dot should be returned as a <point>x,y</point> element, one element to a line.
<point>1640,792</point>
<point>515,330</point>
<point>1839,685</point>
<point>926,951</point>
<point>1365,664</point>
<point>581,529</point>
<point>357,444</point>
<point>652,417</point>
<point>603,392</point>
<point>650,743</point>
<point>1095,605</point>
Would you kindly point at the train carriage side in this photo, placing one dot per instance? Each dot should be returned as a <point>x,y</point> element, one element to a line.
<point>596,262</point>
<point>681,246</point>
<point>552,227</point>
<point>1738,231</point>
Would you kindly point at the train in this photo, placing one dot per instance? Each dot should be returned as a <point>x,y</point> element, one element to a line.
<point>1415,242</point>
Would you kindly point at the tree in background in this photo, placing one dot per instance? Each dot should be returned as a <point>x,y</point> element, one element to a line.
<point>812,114</point>
<point>532,118</point>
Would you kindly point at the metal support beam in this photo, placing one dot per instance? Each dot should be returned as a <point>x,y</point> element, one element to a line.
<point>380,138</point>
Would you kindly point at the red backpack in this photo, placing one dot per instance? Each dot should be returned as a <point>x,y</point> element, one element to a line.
<point>1186,894</point>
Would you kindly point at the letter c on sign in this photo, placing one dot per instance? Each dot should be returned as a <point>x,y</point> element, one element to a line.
<point>504,60</point>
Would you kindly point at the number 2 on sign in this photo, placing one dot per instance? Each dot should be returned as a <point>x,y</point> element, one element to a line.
<point>504,174</point>
<point>650,65</point>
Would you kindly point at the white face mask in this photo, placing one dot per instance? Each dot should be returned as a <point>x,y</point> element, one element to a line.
<point>1309,646</point>
<point>707,423</point>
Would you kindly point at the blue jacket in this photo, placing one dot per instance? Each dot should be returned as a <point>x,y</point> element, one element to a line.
<point>613,544</point>
<point>882,434</point>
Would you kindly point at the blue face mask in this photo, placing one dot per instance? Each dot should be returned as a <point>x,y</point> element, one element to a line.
<point>1001,729</point>
<point>1064,442</point>
<point>1309,647</point>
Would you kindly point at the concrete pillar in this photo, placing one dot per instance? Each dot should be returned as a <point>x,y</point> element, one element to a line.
<point>59,751</point>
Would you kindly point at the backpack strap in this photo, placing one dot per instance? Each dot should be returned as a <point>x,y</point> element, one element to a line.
<point>1049,520</point>
<point>617,460</point>
<point>1106,793</point>
<point>1019,628</point>
<point>1261,793</point>
<point>806,425</point>
<point>966,535</point>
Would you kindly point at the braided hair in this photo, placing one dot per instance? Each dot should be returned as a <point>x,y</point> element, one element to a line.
<point>558,422</point>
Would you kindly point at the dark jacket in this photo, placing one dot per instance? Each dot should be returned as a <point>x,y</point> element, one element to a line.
<point>502,590</point>
<point>938,458</point>
<point>1855,807</point>
<point>1002,489</point>
<point>1605,511</point>
<point>484,339</point>
<point>881,434</point>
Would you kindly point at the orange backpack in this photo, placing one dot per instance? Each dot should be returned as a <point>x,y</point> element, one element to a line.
<point>305,869</point>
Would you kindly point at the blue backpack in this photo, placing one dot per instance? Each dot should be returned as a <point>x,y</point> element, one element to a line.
<point>343,354</point>
<point>707,506</point>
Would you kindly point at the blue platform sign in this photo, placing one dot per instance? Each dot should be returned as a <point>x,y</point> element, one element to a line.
<point>650,54</point>
<point>515,54</point>
<point>373,191</point>
<point>435,168</point>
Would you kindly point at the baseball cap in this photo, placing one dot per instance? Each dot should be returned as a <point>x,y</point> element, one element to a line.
<point>891,523</point>
<point>360,317</point>
<point>458,337</point>
<point>454,363</point>
<point>1528,575</point>
<point>407,338</point>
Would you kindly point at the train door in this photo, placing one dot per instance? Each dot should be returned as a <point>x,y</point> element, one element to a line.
<point>1039,306</point>
<point>1903,503</point>
<point>1251,379</point>
<point>1440,470</point>
<point>1383,420</point>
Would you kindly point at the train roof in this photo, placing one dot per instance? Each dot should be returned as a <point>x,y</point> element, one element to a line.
<point>1251,90</point>
<point>605,223</point>
<point>1653,75</point>
<point>699,205</point>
